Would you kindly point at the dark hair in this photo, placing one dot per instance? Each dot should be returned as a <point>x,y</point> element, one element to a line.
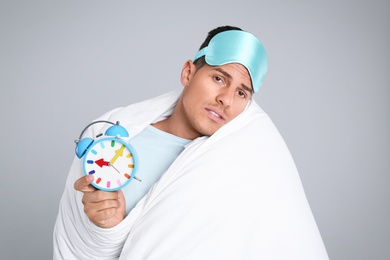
<point>200,62</point>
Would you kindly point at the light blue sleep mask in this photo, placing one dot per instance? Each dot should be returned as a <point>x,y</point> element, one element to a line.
<point>241,47</point>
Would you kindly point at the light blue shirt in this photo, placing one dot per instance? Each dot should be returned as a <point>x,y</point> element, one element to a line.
<point>156,151</point>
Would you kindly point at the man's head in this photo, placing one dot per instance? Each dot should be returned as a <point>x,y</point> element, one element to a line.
<point>228,44</point>
<point>214,94</point>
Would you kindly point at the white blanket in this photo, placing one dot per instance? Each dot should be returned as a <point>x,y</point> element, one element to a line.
<point>234,195</point>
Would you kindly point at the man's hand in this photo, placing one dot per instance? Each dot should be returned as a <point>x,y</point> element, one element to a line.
<point>104,209</point>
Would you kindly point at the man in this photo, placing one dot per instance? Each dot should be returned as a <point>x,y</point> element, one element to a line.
<point>211,198</point>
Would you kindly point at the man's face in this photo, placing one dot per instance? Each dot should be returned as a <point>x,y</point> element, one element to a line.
<point>212,96</point>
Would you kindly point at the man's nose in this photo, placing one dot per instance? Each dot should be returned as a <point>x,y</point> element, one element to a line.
<point>225,97</point>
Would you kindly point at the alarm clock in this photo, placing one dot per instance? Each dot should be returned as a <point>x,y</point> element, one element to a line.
<point>109,158</point>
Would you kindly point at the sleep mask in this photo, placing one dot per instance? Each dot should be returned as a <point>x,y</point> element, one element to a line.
<point>241,47</point>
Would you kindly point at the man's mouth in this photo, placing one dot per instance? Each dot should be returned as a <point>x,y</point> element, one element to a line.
<point>215,114</point>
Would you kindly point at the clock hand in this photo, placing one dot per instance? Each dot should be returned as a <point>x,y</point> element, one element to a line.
<point>102,163</point>
<point>118,153</point>
<point>110,164</point>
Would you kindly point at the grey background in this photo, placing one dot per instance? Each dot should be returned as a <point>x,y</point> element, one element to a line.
<point>64,63</point>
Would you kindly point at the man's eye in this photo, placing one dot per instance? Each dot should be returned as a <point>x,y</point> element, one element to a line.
<point>241,93</point>
<point>218,79</point>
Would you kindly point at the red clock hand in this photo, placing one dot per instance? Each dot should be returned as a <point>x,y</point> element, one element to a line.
<point>102,163</point>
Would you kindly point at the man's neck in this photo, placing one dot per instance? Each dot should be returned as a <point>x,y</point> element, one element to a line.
<point>174,127</point>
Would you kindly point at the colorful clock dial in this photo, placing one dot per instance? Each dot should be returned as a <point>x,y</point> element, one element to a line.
<point>112,162</point>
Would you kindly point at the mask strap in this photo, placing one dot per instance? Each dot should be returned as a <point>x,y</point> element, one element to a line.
<point>200,53</point>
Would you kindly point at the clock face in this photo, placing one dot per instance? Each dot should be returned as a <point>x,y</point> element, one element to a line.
<point>112,162</point>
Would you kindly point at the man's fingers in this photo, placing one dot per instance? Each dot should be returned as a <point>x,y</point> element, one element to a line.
<point>103,218</point>
<point>100,206</point>
<point>104,209</point>
<point>84,184</point>
<point>99,196</point>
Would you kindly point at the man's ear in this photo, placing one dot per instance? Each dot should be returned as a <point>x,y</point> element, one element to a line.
<point>187,72</point>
